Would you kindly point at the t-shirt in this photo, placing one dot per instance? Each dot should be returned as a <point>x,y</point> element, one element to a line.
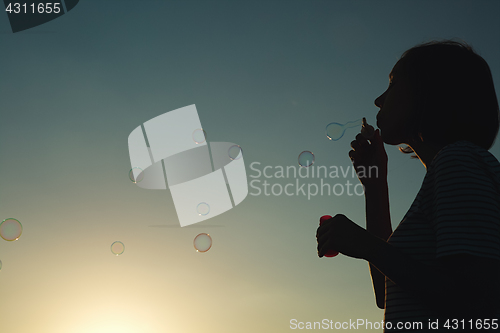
<point>456,211</point>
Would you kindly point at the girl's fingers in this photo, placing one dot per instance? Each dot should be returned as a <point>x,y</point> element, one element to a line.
<point>355,145</point>
<point>323,248</point>
<point>363,142</point>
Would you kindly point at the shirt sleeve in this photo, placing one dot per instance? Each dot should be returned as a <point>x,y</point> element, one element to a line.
<point>465,204</point>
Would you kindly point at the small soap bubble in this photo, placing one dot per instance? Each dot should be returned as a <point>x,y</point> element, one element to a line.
<point>202,242</point>
<point>235,152</point>
<point>199,135</point>
<point>11,229</point>
<point>136,175</point>
<point>117,248</point>
<point>306,159</point>
<point>203,209</point>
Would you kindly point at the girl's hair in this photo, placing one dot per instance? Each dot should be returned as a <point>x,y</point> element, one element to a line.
<point>455,94</point>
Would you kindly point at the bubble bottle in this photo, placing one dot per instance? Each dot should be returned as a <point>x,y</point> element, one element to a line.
<point>330,253</point>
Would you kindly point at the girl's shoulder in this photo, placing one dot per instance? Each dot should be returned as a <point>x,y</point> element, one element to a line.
<point>463,151</point>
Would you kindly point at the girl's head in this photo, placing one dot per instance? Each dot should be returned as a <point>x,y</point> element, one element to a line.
<point>440,92</point>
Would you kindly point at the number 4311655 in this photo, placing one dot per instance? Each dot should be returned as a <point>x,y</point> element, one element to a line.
<point>41,8</point>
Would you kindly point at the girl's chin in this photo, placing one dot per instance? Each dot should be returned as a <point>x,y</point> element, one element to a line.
<point>388,139</point>
<point>391,138</point>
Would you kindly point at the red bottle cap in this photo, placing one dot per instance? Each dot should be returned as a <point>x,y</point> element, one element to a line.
<point>324,218</point>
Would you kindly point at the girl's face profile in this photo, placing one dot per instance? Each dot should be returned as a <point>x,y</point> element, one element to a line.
<point>397,116</point>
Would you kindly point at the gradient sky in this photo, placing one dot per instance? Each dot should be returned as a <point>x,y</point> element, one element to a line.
<point>267,75</point>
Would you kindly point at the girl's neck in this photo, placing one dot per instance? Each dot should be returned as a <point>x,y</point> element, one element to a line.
<point>425,151</point>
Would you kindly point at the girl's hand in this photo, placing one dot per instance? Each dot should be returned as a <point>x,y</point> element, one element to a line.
<point>341,234</point>
<point>369,159</point>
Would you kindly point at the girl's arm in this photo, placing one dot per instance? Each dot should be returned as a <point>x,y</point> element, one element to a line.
<point>378,222</point>
<point>366,155</point>
<point>458,287</point>
<point>463,285</point>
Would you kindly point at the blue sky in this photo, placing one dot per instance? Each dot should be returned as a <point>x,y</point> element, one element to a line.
<point>267,75</point>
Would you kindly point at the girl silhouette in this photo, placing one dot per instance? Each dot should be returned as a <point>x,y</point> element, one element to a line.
<point>441,265</point>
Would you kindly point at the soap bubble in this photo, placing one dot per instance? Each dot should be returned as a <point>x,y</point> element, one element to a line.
<point>136,175</point>
<point>11,229</point>
<point>235,152</point>
<point>202,242</point>
<point>117,248</point>
<point>199,135</point>
<point>203,209</point>
<point>306,159</point>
